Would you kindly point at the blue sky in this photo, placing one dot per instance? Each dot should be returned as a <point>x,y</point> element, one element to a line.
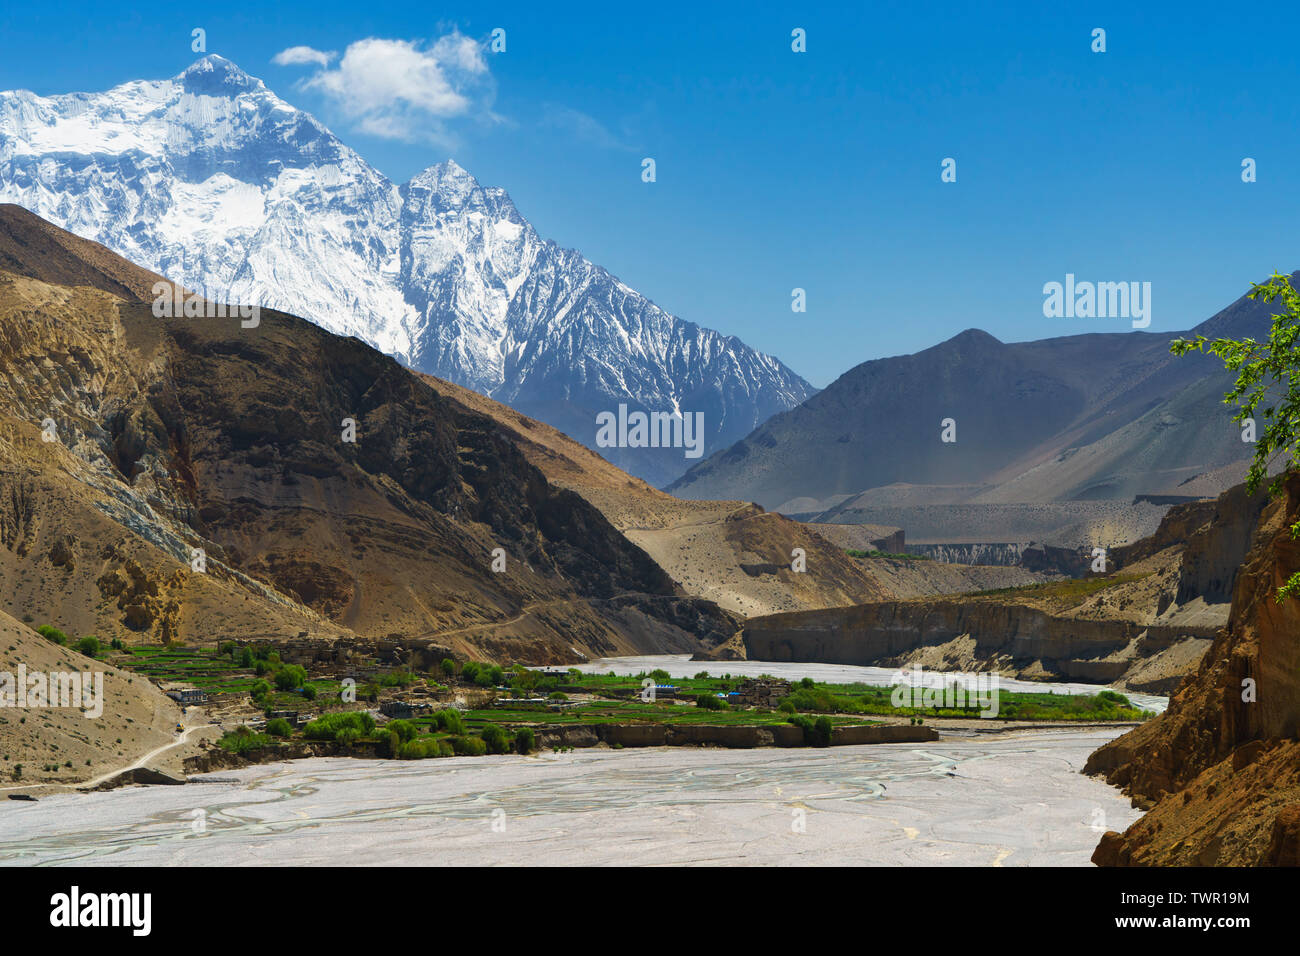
<point>818,170</point>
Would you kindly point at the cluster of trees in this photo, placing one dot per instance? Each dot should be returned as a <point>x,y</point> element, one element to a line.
<point>241,739</point>
<point>816,733</point>
<point>343,726</point>
<point>475,672</point>
<point>402,738</point>
<point>271,671</point>
<point>89,645</point>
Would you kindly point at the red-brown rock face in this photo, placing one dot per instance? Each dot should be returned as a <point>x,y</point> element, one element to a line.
<point>1221,769</point>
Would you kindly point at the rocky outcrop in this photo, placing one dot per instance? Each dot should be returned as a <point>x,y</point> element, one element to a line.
<point>1216,537</point>
<point>1220,769</point>
<point>998,555</point>
<point>1009,636</point>
<point>143,776</point>
<point>1072,562</point>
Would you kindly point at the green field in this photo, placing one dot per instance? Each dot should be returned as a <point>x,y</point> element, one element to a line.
<point>623,712</point>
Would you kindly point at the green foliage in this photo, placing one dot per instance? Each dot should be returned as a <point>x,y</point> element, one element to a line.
<point>51,633</point>
<point>327,726</point>
<point>468,746</point>
<point>483,675</point>
<point>1267,389</point>
<point>279,727</point>
<point>449,720</point>
<point>821,701</point>
<point>807,682</point>
<point>525,740</point>
<point>709,702</point>
<point>495,738</point>
<point>259,690</point>
<point>423,749</point>
<point>89,645</point>
<point>816,733</point>
<point>449,667</point>
<point>659,675</point>
<point>290,677</point>
<point>404,729</point>
<point>525,681</point>
<point>309,691</point>
<point>786,706</point>
<point>822,729</point>
<point>855,553</point>
<point>242,739</point>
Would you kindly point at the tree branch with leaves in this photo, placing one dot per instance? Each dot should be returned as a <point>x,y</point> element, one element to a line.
<point>1267,391</point>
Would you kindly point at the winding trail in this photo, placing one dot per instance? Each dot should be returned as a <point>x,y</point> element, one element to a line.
<point>181,739</point>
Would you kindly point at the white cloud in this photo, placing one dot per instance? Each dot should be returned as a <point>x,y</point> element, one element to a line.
<point>302,55</point>
<point>402,90</point>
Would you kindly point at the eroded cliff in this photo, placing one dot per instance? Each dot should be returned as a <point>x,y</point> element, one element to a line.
<point>1220,770</point>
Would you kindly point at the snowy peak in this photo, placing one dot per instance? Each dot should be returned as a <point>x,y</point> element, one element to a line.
<point>211,179</point>
<point>216,76</point>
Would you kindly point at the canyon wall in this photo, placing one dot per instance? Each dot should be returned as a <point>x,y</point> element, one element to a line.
<point>1220,770</point>
<point>1009,636</point>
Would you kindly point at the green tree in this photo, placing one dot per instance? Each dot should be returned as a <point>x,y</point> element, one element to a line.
<point>1267,388</point>
<point>495,738</point>
<point>51,633</point>
<point>403,728</point>
<point>290,677</point>
<point>279,727</point>
<point>450,721</point>
<point>822,729</point>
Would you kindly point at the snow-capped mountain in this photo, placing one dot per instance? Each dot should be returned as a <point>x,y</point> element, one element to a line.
<point>211,179</point>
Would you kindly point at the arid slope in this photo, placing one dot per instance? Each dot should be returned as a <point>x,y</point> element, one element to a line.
<point>128,441</point>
